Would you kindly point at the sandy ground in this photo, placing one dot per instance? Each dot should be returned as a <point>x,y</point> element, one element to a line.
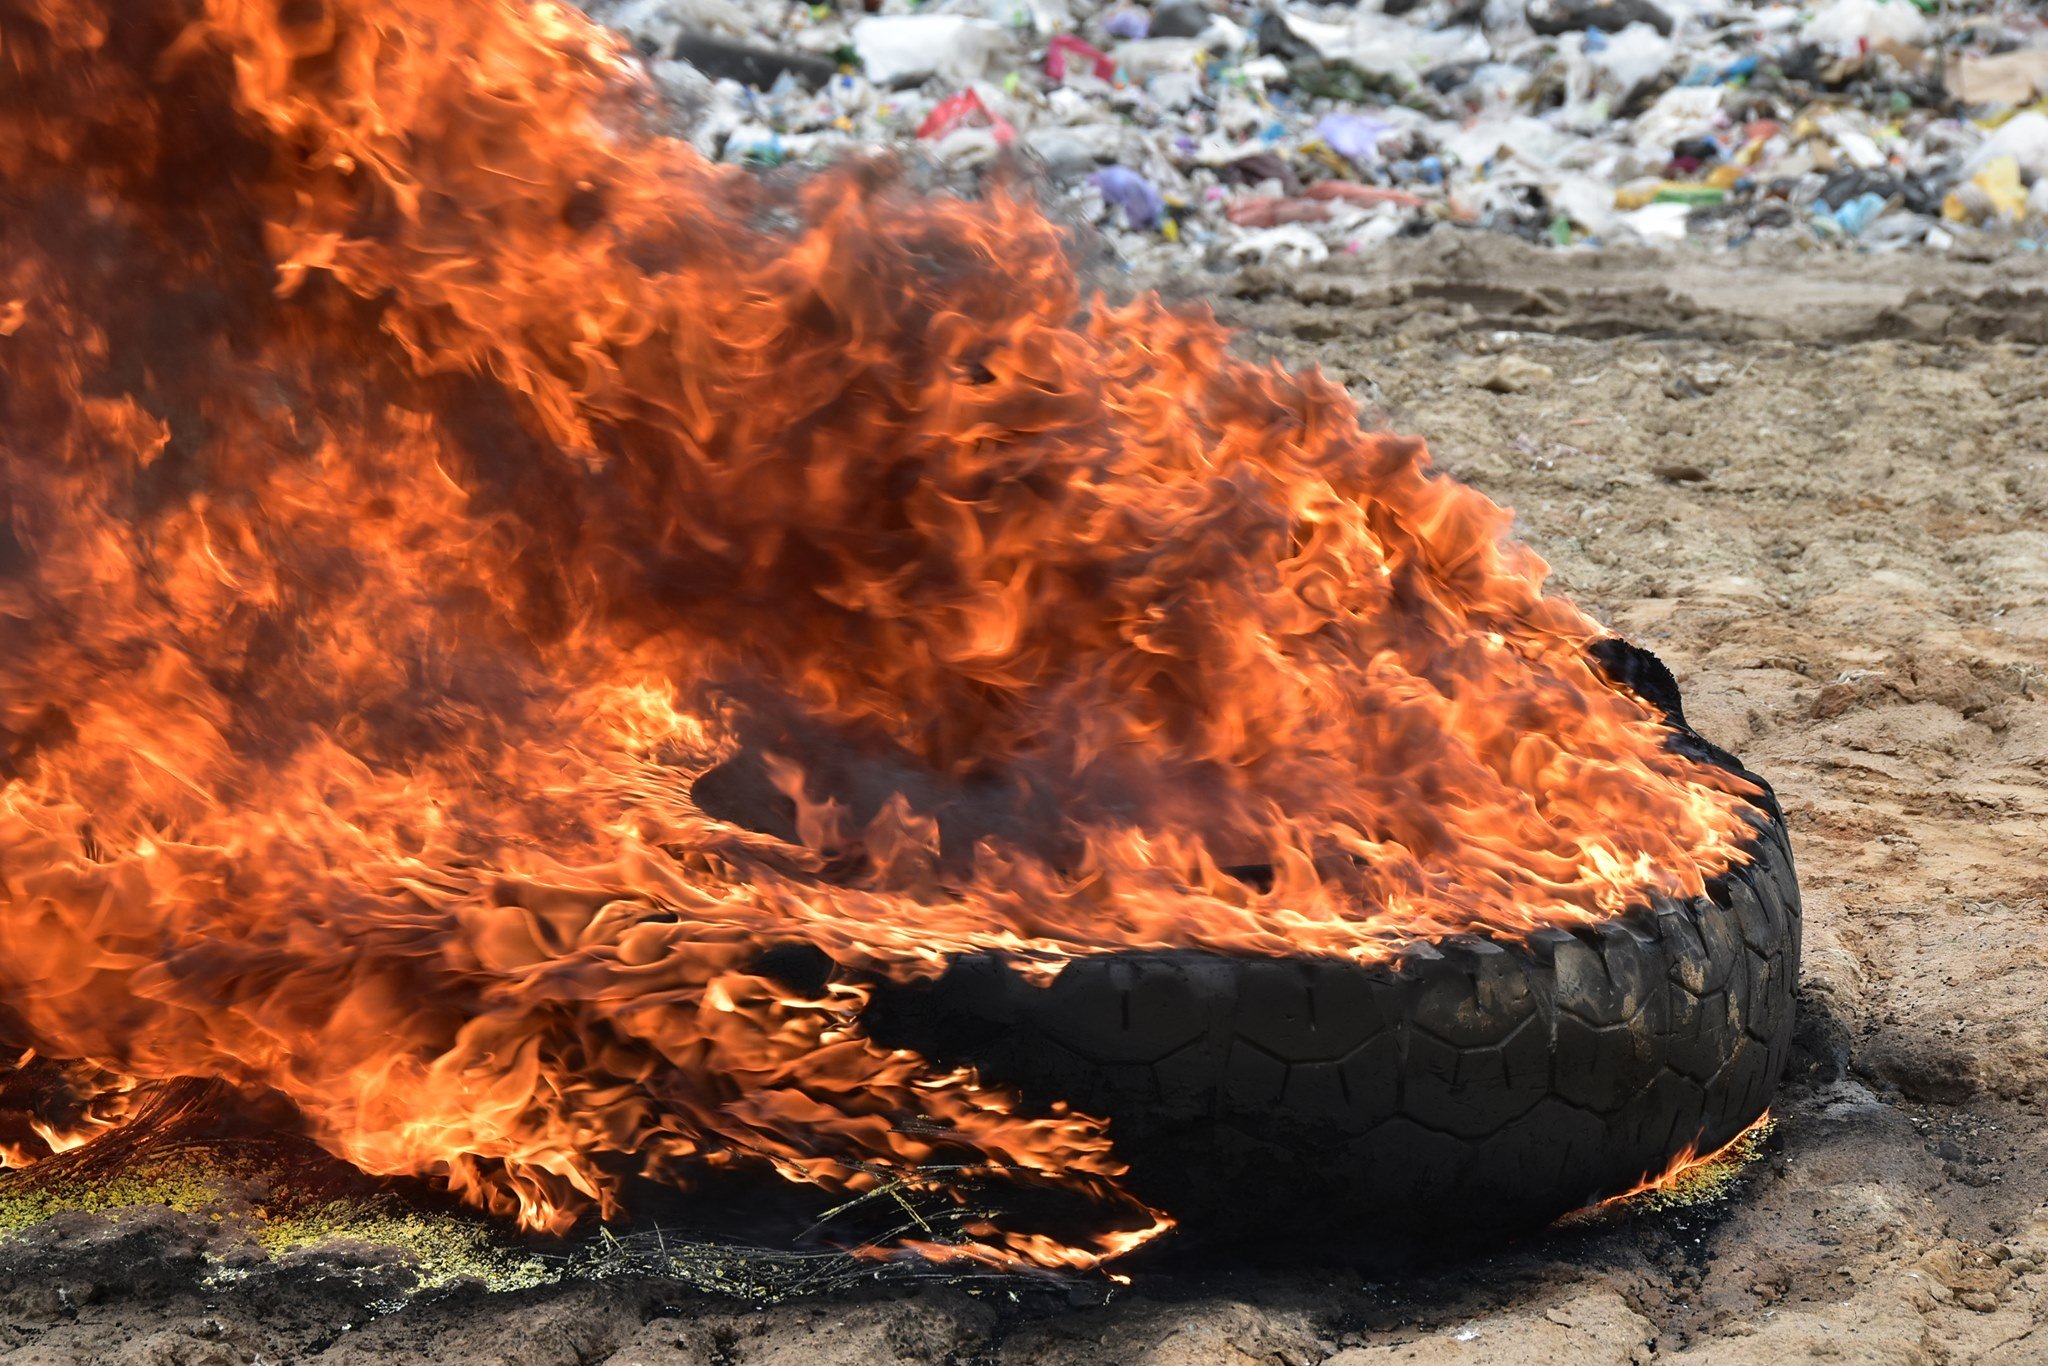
<point>1819,488</point>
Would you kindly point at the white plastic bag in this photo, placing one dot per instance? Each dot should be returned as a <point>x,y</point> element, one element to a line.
<point>1846,25</point>
<point>906,49</point>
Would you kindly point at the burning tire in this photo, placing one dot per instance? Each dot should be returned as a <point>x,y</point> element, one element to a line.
<point>473,602</point>
<point>1470,1083</point>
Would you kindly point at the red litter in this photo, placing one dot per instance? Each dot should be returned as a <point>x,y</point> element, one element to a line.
<point>965,110</point>
<point>1066,47</point>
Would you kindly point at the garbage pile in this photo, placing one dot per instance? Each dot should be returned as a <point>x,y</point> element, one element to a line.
<point>1282,131</point>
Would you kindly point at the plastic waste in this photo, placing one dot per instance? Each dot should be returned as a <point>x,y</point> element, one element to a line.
<point>904,49</point>
<point>1583,200</point>
<point>965,110</point>
<point>1144,208</point>
<point>1175,90</point>
<point>1260,168</point>
<point>1659,222</point>
<point>1896,229</point>
<point>1251,126</point>
<point>2023,137</point>
<point>1553,17</point>
<point>1995,192</point>
<point>1127,23</point>
<point>1858,25</point>
<point>1223,37</point>
<point>1642,192</point>
<point>1366,196</point>
<point>1855,216</point>
<point>659,23</point>
<point>1741,69</point>
<point>1066,156</point>
<point>1289,245</point>
<point>722,59</point>
<point>1355,137</point>
<point>1066,53</point>
<point>1679,113</point>
<point>1268,211</point>
<point>1177,19</point>
<point>1635,54</point>
<point>1154,56</point>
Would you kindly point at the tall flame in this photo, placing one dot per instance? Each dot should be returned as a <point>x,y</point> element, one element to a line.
<point>420,471</point>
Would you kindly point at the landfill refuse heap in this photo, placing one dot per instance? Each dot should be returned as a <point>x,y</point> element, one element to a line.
<point>1279,131</point>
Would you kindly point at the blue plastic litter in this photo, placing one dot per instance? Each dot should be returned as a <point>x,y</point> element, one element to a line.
<point>1144,208</point>
<point>1855,215</point>
<point>1127,23</point>
<point>1355,137</point>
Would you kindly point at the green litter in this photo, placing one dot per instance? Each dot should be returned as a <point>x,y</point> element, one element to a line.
<point>1700,194</point>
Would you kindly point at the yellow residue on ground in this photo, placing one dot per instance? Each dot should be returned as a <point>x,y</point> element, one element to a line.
<point>1691,1181</point>
<point>250,1203</point>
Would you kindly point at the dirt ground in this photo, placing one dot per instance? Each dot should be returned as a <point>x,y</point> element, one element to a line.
<point>1818,486</point>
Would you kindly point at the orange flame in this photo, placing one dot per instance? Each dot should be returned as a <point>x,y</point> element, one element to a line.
<point>1686,1166</point>
<point>420,472</point>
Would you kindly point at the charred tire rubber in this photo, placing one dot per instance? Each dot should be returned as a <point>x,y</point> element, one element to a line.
<point>1466,1087</point>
